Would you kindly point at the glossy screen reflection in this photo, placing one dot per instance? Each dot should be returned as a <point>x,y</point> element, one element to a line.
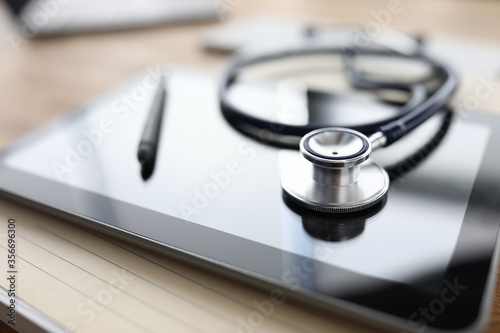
<point>209,174</point>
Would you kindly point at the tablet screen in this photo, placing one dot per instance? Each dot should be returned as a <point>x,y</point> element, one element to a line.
<point>208,174</point>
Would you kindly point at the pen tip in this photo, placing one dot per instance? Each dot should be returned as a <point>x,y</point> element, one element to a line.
<point>146,172</point>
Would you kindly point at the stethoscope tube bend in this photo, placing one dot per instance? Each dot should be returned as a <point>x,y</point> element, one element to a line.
<point>335,176</point>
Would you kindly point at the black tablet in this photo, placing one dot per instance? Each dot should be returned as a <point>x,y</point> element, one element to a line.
<point>423,259</point>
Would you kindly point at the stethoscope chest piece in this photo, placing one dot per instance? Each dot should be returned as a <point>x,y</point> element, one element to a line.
<point>335,176</point>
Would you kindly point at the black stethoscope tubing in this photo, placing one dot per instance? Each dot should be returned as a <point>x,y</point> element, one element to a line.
<point>420,106</point>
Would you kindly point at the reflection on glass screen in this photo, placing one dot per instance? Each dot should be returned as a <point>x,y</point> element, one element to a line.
<point>207,173</point>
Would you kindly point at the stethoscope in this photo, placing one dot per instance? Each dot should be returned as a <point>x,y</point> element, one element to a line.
<point>337,175</point>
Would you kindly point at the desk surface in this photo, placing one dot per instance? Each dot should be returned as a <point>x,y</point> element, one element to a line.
<point>52,75</point>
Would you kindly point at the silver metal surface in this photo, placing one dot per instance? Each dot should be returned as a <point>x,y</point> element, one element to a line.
<point>377,140</point>
<point>335,176</point>
<point>333,180</point>
<point>335,144</point>
<point>335,147</point>
<point>370,187</point>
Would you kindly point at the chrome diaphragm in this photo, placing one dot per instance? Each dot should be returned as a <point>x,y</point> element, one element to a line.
<point>335,176</point>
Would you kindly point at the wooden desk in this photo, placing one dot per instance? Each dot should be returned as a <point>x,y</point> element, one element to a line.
<point>53,75</point>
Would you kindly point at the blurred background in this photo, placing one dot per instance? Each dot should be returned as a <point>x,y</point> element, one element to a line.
<point>56,55</point>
